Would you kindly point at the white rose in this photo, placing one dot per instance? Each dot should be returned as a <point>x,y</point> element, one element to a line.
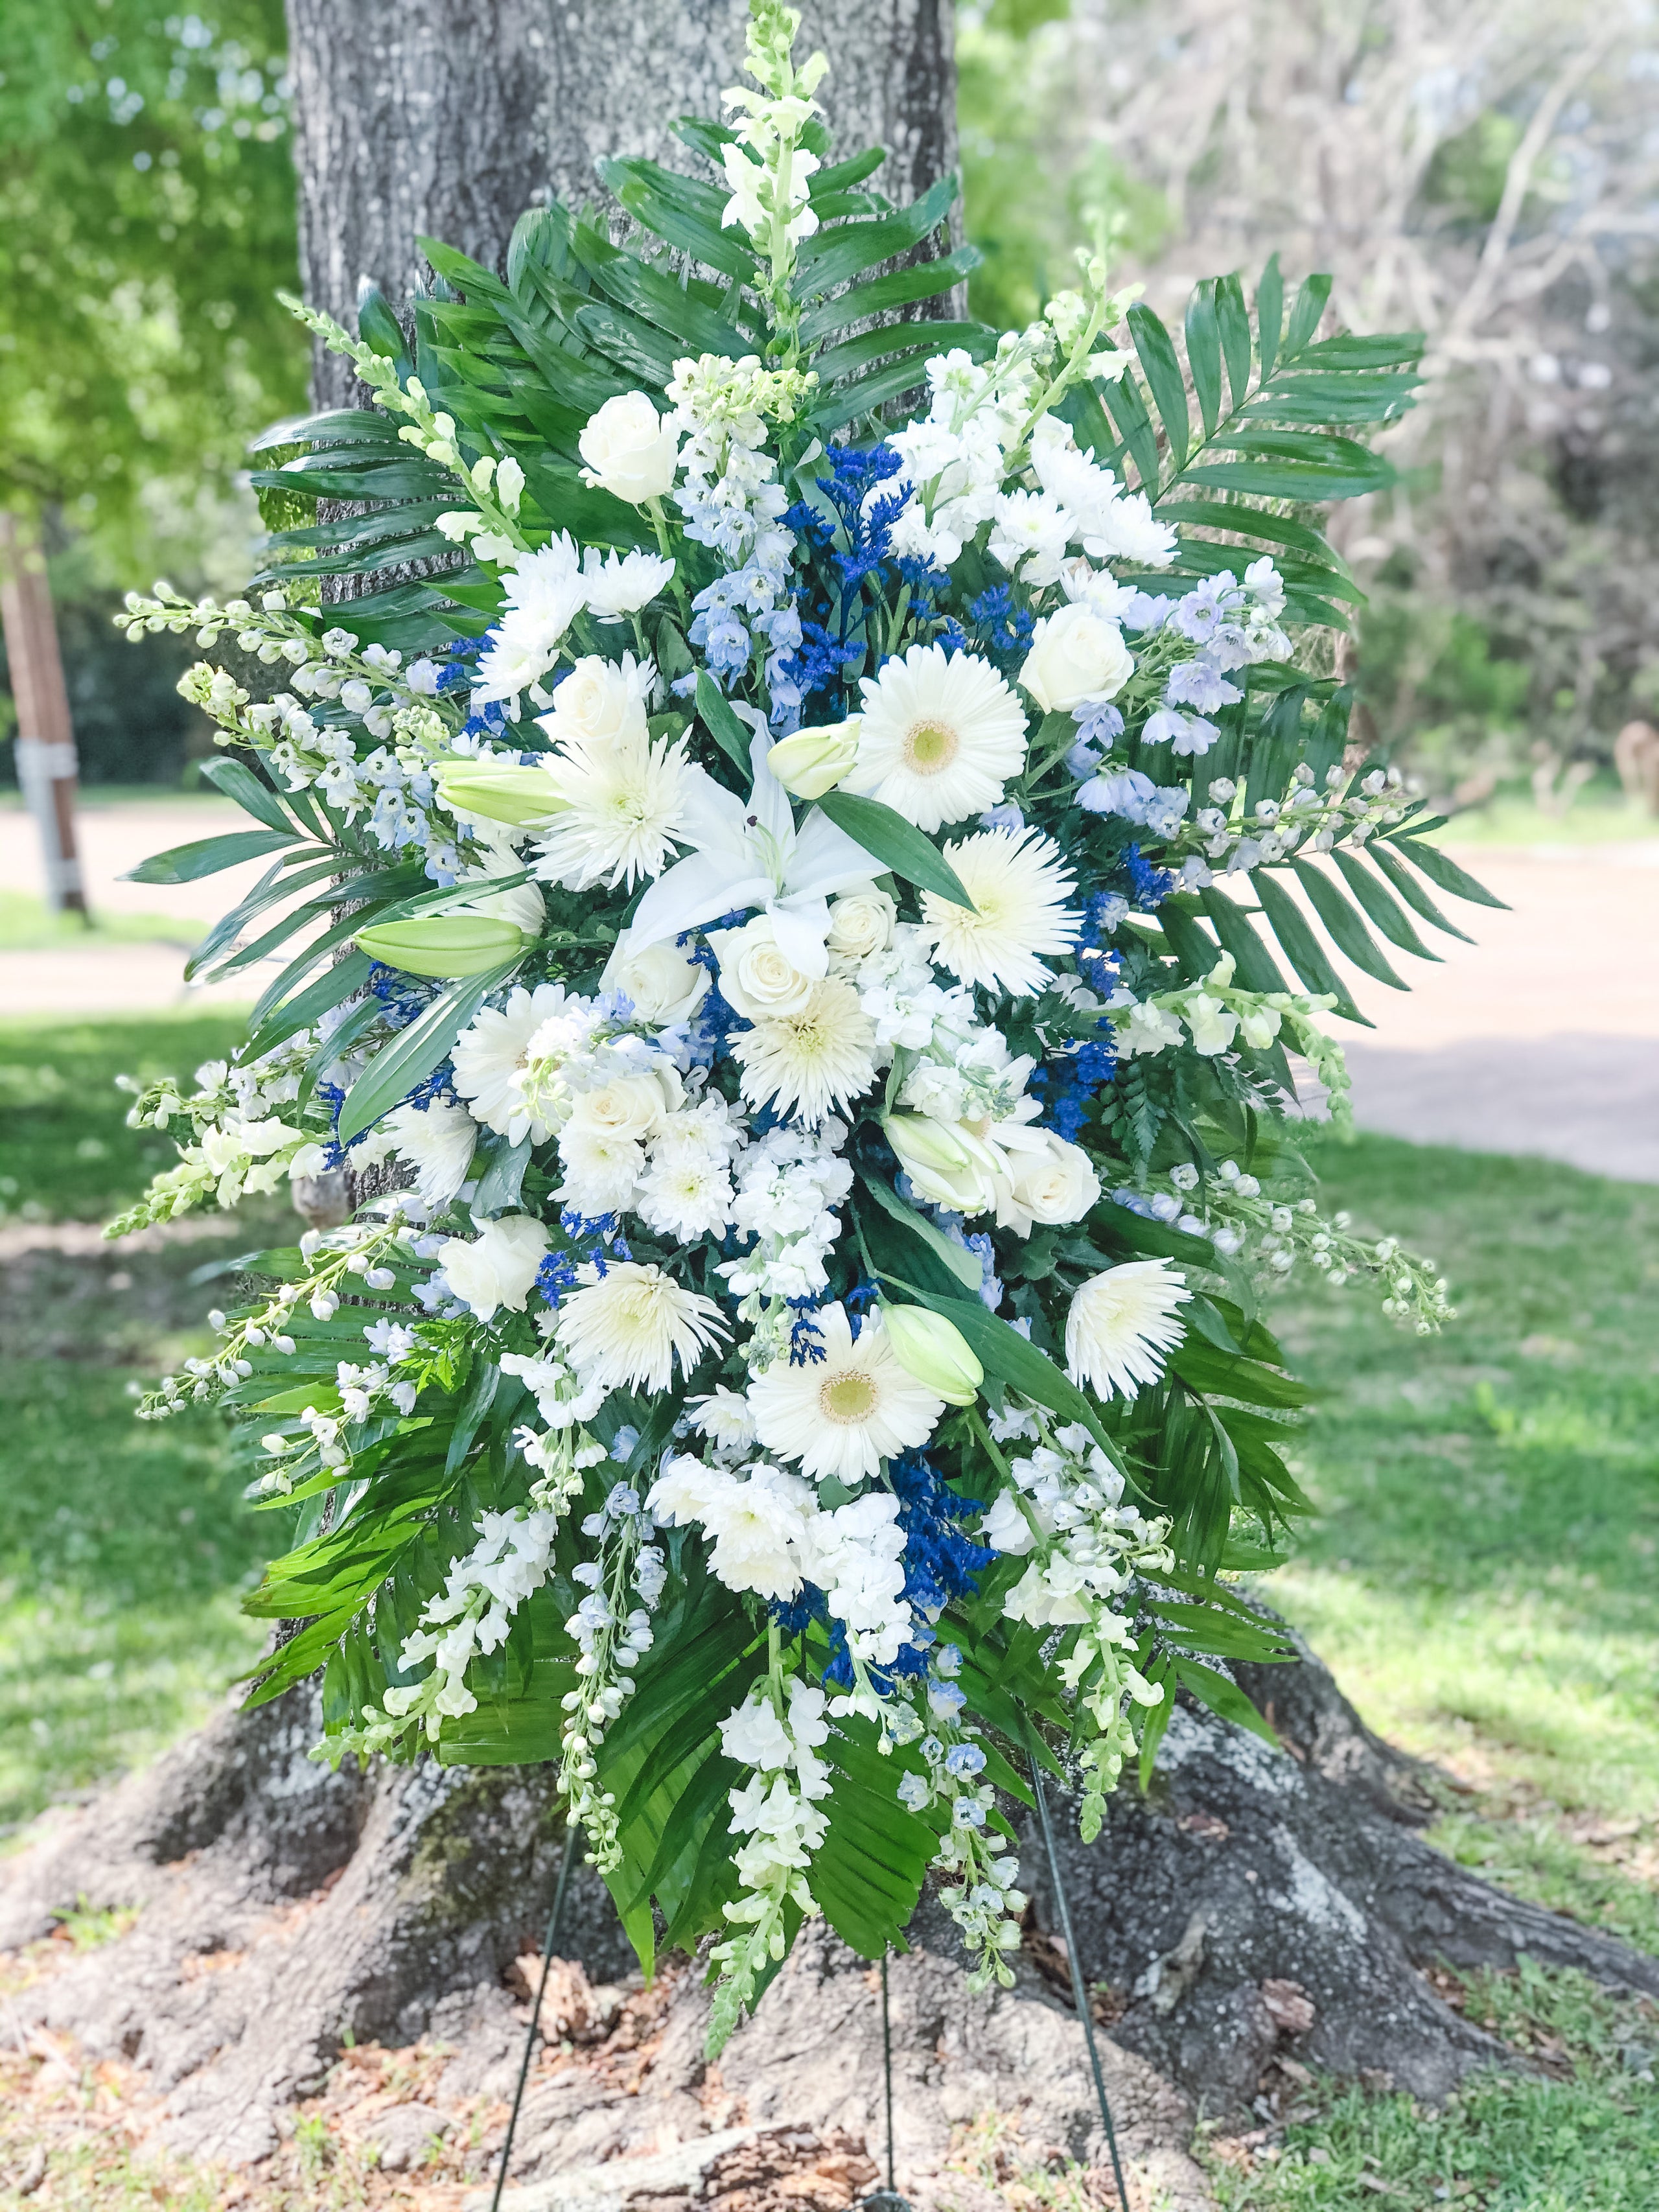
<point>498,1267</point>
<point>757,980</point>
<point>1075,656</point>
<point>861,925</point>
<point>1051,1184</point>
<point>629,1106</point>
<point>598,700</point>
<point>631,451</point>
<point>664,985</point>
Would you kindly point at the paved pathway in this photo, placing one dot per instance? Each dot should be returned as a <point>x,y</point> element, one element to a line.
<point>1541,1037</point>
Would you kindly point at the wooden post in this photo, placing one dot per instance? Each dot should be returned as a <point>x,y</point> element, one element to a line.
<point>47,767</point>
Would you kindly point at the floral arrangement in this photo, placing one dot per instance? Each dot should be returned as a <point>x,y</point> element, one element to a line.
<point>776,814</point>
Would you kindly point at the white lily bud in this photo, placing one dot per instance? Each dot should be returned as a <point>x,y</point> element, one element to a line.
<point>444,944</point>
<point>935,1351</point>
<point>498,791</point>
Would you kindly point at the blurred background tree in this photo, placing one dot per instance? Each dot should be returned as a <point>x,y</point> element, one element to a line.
<point>146,219</point>
<point>1489,173</point>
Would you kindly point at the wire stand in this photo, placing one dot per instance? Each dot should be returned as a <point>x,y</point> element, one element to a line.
<point>553,1919</point>
<point>1079,1994</point>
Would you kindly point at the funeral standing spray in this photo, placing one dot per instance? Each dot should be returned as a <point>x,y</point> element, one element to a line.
<point>802,845</point>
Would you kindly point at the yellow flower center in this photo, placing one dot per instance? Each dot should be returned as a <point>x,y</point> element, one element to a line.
<point>849,1399</point>
<point>930,747</point>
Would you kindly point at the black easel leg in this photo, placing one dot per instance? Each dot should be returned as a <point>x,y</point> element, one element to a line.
<point>553,1919</point>
<point>887,2066</point>
<point>1079,1994</point>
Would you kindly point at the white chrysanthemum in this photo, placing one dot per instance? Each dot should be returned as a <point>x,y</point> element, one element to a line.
<point>1019,884</point>
<point>621,584</point>
<point>843,1414</point>
<point>687,1195</point>
<point>1121,1324</point>
<point>496,1048</point>
<point>625,1329</point>
<point>601,1168</point>
<point>726,1418</point>
<point>543,594</point>
<point>810,1063</point>
<point>758,1527</point>
<point>940,737</point>
<point>624,799</point>
<point>438,1141</point>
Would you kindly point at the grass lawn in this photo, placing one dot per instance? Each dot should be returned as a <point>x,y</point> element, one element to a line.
<point>1483,1580</point>
<point>28,925</point>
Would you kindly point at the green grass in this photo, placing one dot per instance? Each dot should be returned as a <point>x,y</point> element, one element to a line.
<point>28,925</point>
<point>68,1154</point>
<point>1575,2128</point>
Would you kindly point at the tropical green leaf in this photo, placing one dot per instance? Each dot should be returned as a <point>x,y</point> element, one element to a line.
<point>1162,369</point>
<point>897,843</point>
<point>1435,865</point>
<point>735,738</point>
<point>1411,891</point>
<point>1344,923</point>
<point>1204,352</point>
<point>1301,946</point>
<point>413,1053</point>
<point>880,296</point>
<point>1384,911</point>
<point>188,863</point>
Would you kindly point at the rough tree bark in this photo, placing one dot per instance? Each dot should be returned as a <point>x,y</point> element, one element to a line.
<point>1255,1906</point>
<point>417,118</point>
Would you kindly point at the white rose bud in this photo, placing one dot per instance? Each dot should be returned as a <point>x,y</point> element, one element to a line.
<point>813,762</point>
<point>861,924</point>
<point>757,979</point>
<point>1056,1185</point>
<point>665,986</point>
<point>598,700</point>
<point>1075,655</point>
<point>631,451</point>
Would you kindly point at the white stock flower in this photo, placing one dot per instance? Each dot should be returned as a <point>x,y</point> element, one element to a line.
<point>498,1267</point>
<point>438,1141</point>
<point>630,452</point>
<point>1075,657</point>
<point>938,737</point>
<point>619,584</point>
<point>754,1735</point>
<point>664,986</point>
<point>843,1414</point>
<point>810,1063</point>
<point>625,1329</point>
<point>1019,884</point>
<point>1121,1325</point>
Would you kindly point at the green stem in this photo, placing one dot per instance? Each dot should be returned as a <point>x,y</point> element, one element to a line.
<point>659,524</point>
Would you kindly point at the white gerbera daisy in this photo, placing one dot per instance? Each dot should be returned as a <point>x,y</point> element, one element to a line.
<point>496,1048</point>
<point>809,1063</point>
<point>625,1329</point>
<point>624,800</point>
<point>1018,882</point>
<point>843,1414</point>
<point>621,584</point>
<point>940,737</point>
<point>1121,1324</point>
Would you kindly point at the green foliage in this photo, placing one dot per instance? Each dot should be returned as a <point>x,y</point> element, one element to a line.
<point>146,213</point>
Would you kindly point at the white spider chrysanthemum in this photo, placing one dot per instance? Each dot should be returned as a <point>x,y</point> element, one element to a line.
<point>940,737</point>
<point>625,800</point>
<point>843,1414</point>
<point>1018,882</point>
<point>1121,1324</point>
<point>624,1330</point>
<point>808,1064</point>
<point>621,584</point>
<point>496,1048</point>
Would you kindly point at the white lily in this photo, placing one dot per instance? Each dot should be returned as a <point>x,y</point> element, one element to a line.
<point>752,855</point>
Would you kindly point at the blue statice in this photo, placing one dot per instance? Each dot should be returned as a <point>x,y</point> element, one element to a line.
<point>940,1562</point>
<point>805,1338</point>
<point>1151,885</point>
<point>795,1615</point>
<point>600,1232</point>
<point>858,548</point>
<point>1003,628</point>
<point>1068,1080</point>
<point>715,1022</point>
<point>556,1275</point>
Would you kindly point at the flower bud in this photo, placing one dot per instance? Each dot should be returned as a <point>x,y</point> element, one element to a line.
<point>444,944</point>
<point>935,1352</point>
<point>926,1143</point>
<point>498,791</point>
<point>946,1163</point>
<point>813,762</point>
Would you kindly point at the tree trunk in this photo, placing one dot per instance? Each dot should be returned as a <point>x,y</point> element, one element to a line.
<point>415,118</point>
<point>1254,1906</point>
